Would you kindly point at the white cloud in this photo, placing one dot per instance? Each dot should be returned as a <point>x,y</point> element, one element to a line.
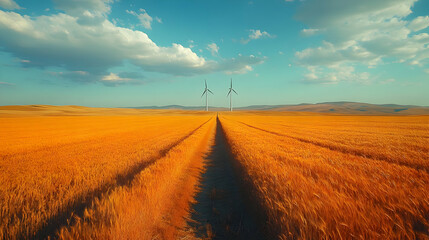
<point>419,23</point>
<point>74,8</point>
<point>9,4</point>
<point>328,55</point>
<point>309,31</point>
<point>144,18</point>
<point>64,41</point>
<point>239,65</point>
<point>362,32</point>
<point>321,13</point>
<point>256,34</point>
<point>335,74</point>
<point>112,77</point>
<point>213,48</point>
<point>245,69</point>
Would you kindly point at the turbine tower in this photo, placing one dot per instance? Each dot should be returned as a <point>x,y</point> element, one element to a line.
<point>230,96</point>
<point>206,91</point>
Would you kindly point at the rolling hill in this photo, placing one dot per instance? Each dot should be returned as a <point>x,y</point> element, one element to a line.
<point>325,107</point>
<point>342,108</point>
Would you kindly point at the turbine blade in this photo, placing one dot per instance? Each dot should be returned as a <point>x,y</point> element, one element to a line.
<point>205,81</point>
<point>231,82</point>
<point>209,91</point>
<point>234,91</point>
<point>204,93</point>
<point>229,92</point>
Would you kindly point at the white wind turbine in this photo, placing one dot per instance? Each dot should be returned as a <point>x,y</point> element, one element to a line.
<point>230,96</point>
<point>206,91</point>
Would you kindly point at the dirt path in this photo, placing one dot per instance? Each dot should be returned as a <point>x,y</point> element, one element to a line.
<point>220,212</point>
<point>77,209</point>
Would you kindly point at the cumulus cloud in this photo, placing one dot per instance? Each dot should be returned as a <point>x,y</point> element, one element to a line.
<point>256,34</point>
<point>86,12</point>
<point>213,48</point>
<point>329,55</point>
<point>335,74</point>
<point>76,7</point>
<point>65,41</point>
<point>362,32</point>
<point>9,4</point>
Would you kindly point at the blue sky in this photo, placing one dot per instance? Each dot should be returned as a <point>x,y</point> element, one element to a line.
<point>141,53</point>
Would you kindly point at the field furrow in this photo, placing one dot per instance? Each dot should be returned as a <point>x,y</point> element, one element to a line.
<point>43,187</point>
<point>156,203</point>
<point>311,192</point>
<point>397,147</point>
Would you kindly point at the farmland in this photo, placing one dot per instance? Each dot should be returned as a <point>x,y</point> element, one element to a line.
<point>335,177</point>
<point>84,173</point>
<point>55,167</point>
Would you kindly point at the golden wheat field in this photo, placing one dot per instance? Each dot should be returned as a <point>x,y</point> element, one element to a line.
<point>86,173</point>
<point>335,177</point>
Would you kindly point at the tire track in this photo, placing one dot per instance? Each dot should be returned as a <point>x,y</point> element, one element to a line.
<point>221,210</point>
<point>66,216</point>
<point>343,150</point>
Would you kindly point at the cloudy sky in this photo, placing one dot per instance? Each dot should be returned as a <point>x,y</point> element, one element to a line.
<point>138,53</point>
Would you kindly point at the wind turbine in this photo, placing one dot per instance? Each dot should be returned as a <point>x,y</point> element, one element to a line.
<point>206,90</point>
<point>230,96</point>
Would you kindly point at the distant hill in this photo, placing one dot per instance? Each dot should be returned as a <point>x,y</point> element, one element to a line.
<point>201,108</point>
<point>325,107</point>
<point>49,110</point>
<point>347,108</point>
